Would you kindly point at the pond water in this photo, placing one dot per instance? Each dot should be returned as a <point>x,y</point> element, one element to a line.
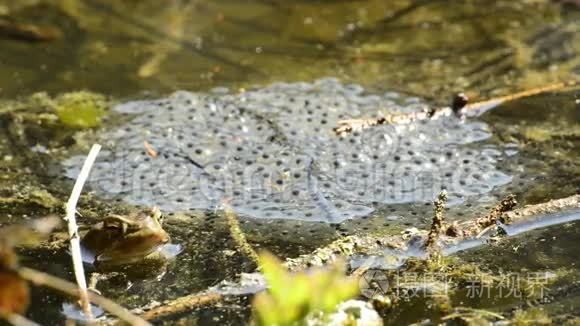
<point>238,100</point>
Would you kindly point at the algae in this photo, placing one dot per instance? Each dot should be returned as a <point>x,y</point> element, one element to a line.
<point>80,109</point>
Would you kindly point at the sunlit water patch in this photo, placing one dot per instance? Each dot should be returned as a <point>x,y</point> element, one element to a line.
<point>271,153</point>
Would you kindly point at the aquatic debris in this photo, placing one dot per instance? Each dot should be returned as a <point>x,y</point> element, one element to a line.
<point>369,245</point>
<point>272,154</point>
<point>28,32</point>
<point>438,221</point>
<point>550,207</point>
<point>248,284</point>
<point>47,280</point>
<point>472,316</point>
<point>181,305</point>
<point>506,205</point>
<point>459,106</point>
<point>343,247</point>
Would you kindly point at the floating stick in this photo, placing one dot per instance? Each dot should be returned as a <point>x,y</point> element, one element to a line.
<point>459,106</point>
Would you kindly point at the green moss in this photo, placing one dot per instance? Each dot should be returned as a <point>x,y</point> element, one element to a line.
<point>537,134</point>
<point>80,109</point>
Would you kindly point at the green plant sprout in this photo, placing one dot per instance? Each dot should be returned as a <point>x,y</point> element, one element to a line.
<point>293,296</point>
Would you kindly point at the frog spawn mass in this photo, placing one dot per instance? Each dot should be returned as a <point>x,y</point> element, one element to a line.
<point>271,153</point>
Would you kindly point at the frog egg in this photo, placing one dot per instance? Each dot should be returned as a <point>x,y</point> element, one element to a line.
<point>271,152</point>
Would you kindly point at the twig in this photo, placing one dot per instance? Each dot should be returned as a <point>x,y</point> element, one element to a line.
<point>181,305</point>
<point>550,207</point>
<point>506,205</point>
<point>438,221</point>
<point>19,320</point>
<point>28,32</point>
<point>369,245</point>
<point>43,279</point>
<point>463,311</point>
<point>345,127</point>
<point>75,248</point>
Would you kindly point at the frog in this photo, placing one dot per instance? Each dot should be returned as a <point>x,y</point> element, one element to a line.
<point>120,240</point>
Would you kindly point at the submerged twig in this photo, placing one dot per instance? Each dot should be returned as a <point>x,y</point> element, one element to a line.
<point>370,245</point>
<point>550,207</point>
<point>459,105</point>
<point>464,311</point>
<point>28,32</point>
<point>75,248</point>
<point>181,305</point>
<point>19,320</point>
<point>43,279</point>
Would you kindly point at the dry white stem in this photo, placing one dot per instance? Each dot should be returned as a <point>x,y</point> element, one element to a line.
<point>75,248</point>
<point>19,320</point>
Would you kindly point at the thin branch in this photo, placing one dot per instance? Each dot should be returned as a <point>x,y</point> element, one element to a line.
<point>75,248</point>
<point>452,234</point>
<point>28,32</point>
<point>182,304</point>
<point>18,320</point>
<point>43,279</point>
<point>348,126</point>
<point>438,221</point>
